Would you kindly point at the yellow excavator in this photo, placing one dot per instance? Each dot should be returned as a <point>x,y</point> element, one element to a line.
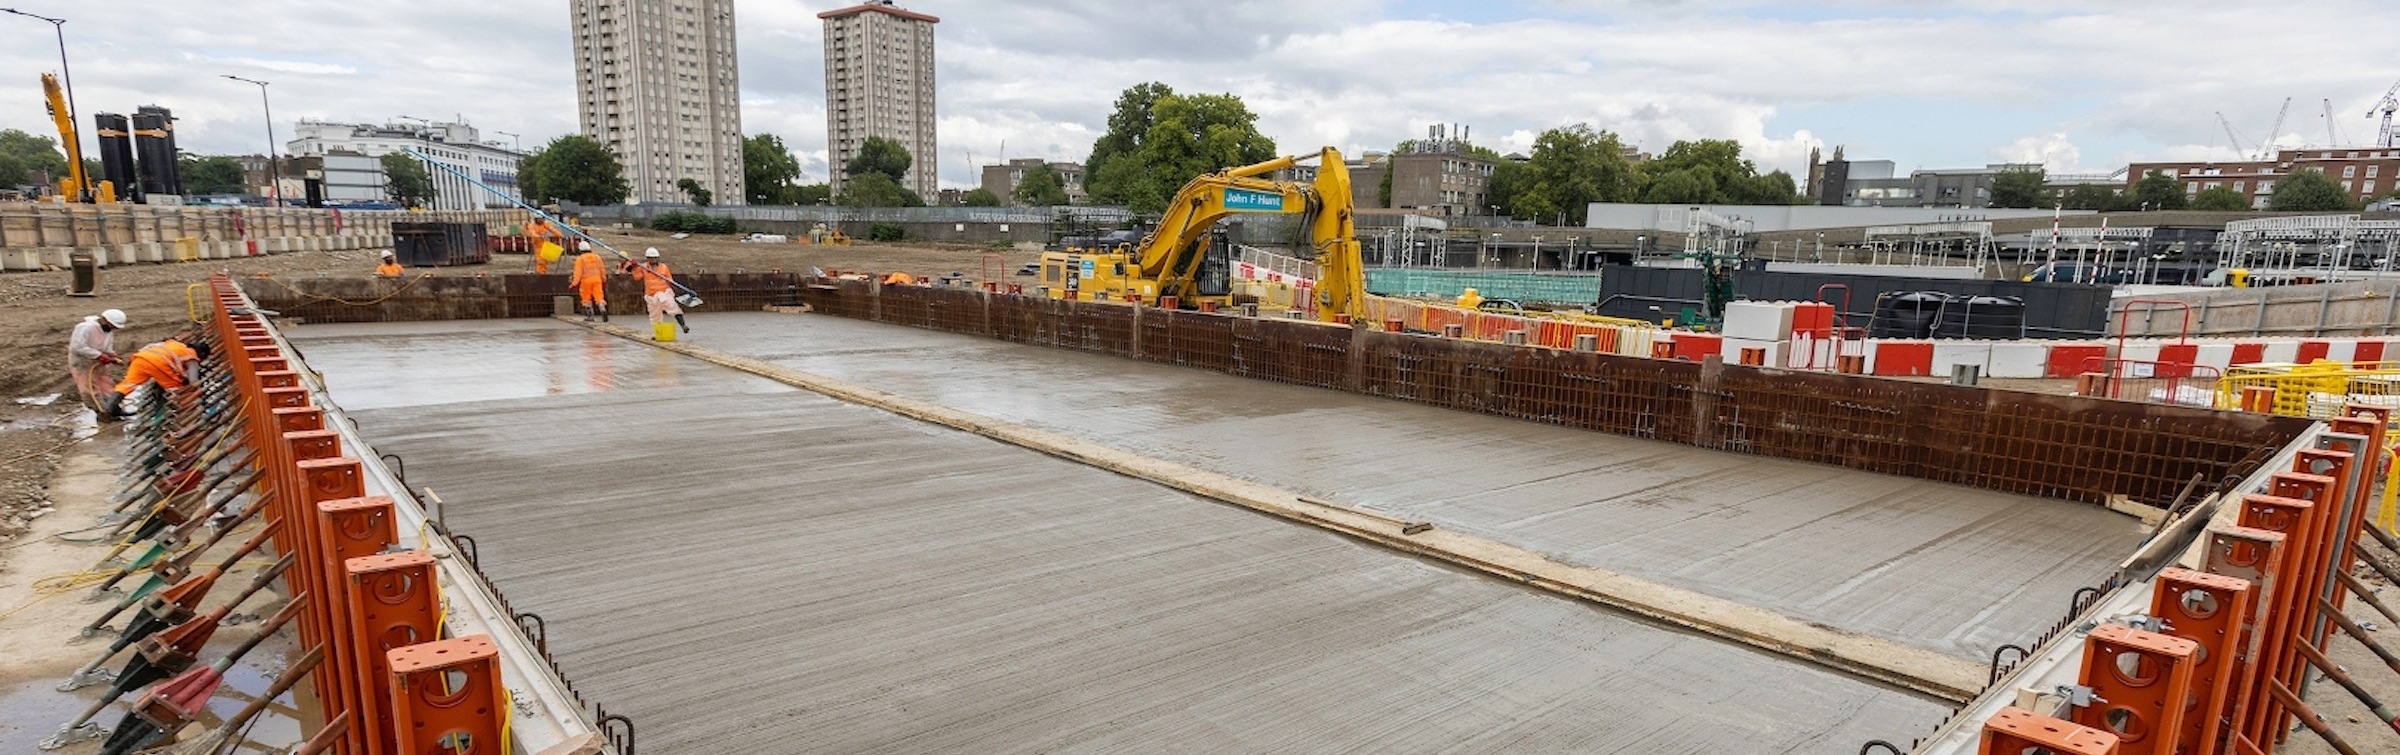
<point>1178,259</point>
<point>75,187</point>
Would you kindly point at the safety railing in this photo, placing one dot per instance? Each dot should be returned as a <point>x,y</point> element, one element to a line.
<point>2149,381</point>
<point>2317,390</point>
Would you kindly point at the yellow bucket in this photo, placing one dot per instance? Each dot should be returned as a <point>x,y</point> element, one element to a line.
<point>662,331</point>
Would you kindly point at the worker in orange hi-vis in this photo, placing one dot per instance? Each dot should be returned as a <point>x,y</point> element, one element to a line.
<point>590,274</point>
<point>172,364</point>
<point>658,289</point>
<point>390,267</point>
<point>548,245</point>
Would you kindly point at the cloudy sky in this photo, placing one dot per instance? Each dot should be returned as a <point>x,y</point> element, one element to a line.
<point>2080,86</point>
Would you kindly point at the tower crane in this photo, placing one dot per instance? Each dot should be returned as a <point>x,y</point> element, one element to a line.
<point>2385,106</point>
<point>2333,138</point>
<point>2266,147</point>
<point>2235,139</point>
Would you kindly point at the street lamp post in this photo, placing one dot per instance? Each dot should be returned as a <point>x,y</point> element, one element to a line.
<point>59,26</point>
<point>516,171</point>
<point>274,169</point>
<point>425,134</point>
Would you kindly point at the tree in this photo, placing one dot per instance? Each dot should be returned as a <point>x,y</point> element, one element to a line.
<point>1571,168</point>
<point>26,159</point>
<point>2219,199</point>
<point>1383,184</point>
<point>405,180</point>
<point>2092,197</point>
<point>700,195</point>
<point>2309,190</point>
<point>807,194</point>
<point>209,175</point>
<point>1041,187</point>
<point>575,169</point>
<point>1508,179</point>
<point>1718,165</point>
<point>1685,186</point>
<point>1185,138</point>
<point>1128,125</point>
<point>769,170</point>
<point>2020,188</point>
<point>979,197</point>
<point>875,189</point>
<point>2156,191</point>
<point>880,155</point>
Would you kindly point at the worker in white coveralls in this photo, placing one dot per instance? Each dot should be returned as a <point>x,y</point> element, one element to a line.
<point>90,349</point>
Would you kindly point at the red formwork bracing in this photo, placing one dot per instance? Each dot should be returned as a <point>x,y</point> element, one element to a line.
<point>2140,683</point>
<point>2014,732</point>
<point>2209,610</point>
<point>369,607</point>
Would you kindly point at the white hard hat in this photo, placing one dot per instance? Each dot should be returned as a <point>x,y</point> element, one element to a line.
<point>651,252</point>
<point>115,317</point>
<point>583,245</point>
<point>387,252</point>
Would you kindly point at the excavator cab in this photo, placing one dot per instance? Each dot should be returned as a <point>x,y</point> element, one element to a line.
<point>1215,277</point>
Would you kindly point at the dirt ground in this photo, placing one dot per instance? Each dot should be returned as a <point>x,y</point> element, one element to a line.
<point>36,314</point>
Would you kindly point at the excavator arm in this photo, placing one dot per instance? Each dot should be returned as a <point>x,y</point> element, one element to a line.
<point>1171,254</point>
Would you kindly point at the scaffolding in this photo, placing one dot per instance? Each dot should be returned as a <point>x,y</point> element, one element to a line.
<point>2318,248</point>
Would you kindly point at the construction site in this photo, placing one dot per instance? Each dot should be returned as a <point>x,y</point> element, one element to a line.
<point>1172,496</point>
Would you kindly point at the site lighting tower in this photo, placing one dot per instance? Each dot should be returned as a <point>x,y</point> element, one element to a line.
<point>59,27</point>
<point>274,168</point>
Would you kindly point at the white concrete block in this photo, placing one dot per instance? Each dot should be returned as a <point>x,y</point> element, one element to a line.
<point>1949,353</point>
<point>2341,349</point>
<point>2139,351</point>
<point>2218,355</point>
<point>2017,359</point>
<point>1775,356</point>
<point>2282,351</point>
<point>1758,321</point>
<point>20,259</point>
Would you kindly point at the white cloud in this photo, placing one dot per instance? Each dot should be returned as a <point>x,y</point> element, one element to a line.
<point>1933,84</point>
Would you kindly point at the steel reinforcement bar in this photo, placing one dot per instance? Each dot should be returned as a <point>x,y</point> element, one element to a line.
<point>2064,447</point>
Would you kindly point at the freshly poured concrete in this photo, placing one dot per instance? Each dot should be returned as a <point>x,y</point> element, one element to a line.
<point>1945,567</point>
<point>743,567</point>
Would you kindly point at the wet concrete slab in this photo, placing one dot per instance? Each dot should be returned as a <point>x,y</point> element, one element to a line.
<point>744,567</point>
<point>1945,567</point>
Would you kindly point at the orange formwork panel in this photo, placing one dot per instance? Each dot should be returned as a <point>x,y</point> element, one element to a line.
<point>2014,731</point>
<point>2256,556</point>
<point>447,696</point>
<point>2207,609</point>
<point>323,480</point>
<point>2140,682</point>
<point>2297,520</point>
<point>392,604</point>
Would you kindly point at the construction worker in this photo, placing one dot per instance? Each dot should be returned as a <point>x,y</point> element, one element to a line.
<point>658,289</point>
<point>171,363</point>
<point>544,237</point>
<point>390,267</point>
<point>90,349</point>
<point>590,275</point>
<point>899,279</point>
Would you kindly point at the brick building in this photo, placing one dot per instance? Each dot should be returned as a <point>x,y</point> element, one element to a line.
<point>2362,172</point>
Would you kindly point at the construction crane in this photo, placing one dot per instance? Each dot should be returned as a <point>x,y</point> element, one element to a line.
<point>2266,148</point>
<point>2385,106</point>
<point>2238,151</point>
<point>2333,137</point>
<point>75,186</point>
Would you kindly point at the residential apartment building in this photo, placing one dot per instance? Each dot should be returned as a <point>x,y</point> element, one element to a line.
<point>456,145</point>
<point>879,82</point>
<point>656,83</point>
<point>1002,179</point>
<point>2362,172</point>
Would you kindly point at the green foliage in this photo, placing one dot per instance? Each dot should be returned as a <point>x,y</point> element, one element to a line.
<point>699,195</point>
<point>1571,168</point>
<point>876,189</point>
<point>2156,191</point>
<point>2309,190</point>
<point>1041,187</point>
<point>1181,138</point>
<point>26,160</point>
<point>690,222</point>
<point>1685,186</point>
<point>807,194</point>
<point>769,170</point>
<point>208,175</point>
<point>880,155</point>
<point>1716,165</point>
<point>2020,189</point>
<point>575,169</point>
<point>979,197</point>
<point>886,232</point>
<point>2092,197</point>
<point>405,180</point>
<point>1508,178</point>
<point>1383,185</point>
<point>2219,199</point>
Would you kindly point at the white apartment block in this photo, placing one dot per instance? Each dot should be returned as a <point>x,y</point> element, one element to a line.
<point>656,83</point>
<point>879,82</point>
<point>457,145</point>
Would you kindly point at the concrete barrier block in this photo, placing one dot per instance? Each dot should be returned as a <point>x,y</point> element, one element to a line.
<point>1950,353</point>
<point>20,259</point>
<point>1758,321</point>
<point>1770,353</point>
<point>2218,355</point>
<point>2139,351</point>
<point>2280,351</point>
<point>1900,358</point>
<point>2019,359</point>
<point>2342,349</point>
<point>1809,352</point>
